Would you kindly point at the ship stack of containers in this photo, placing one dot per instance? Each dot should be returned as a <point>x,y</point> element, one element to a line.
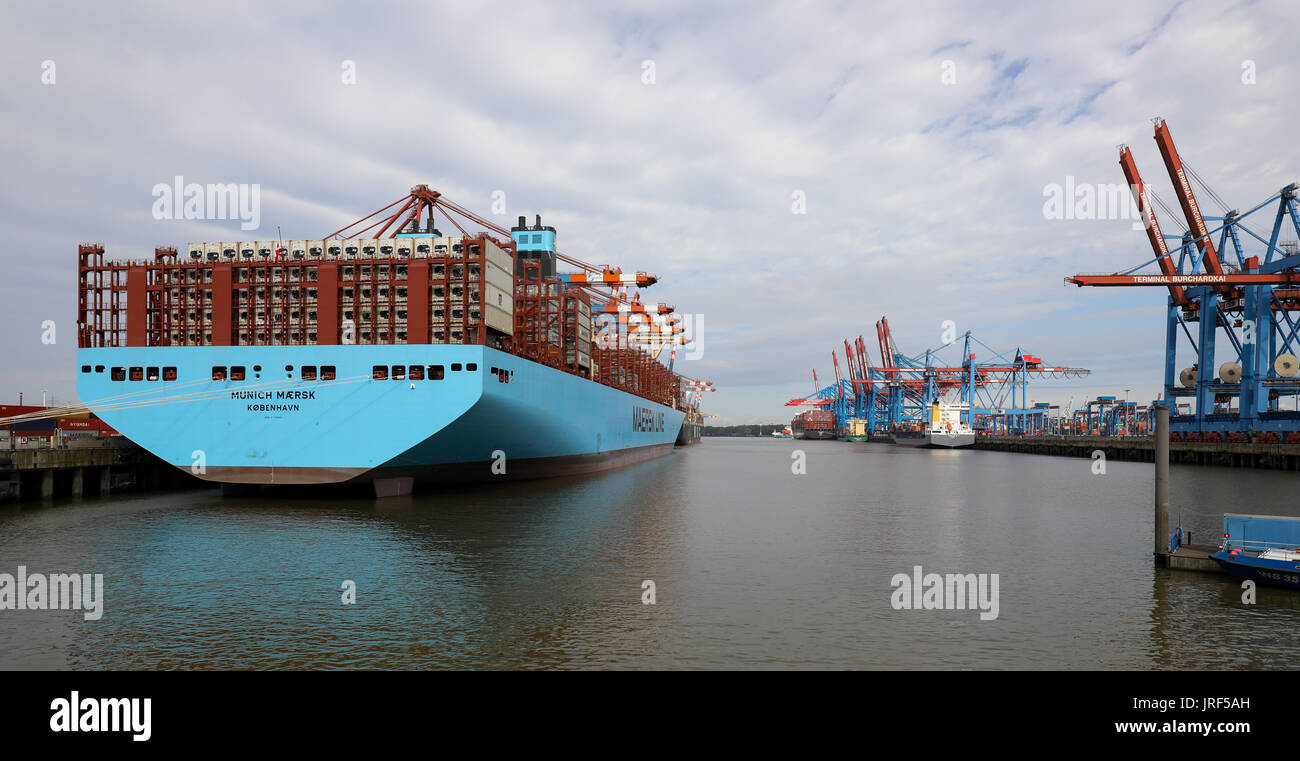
<point>818,420</point>
<point>416,288</point>
<point>636,371</point>
<point>577,331</point>
<point>301,292</point>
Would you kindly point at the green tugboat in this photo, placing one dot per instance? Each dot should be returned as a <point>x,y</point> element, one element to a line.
<point>854,429</point>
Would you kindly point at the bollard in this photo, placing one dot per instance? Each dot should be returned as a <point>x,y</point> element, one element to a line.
<point>1161,529</point>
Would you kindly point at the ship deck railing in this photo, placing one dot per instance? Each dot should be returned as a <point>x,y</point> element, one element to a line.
<point>1257,546</point>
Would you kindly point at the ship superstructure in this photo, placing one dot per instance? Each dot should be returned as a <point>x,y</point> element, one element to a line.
<point>947,426</point>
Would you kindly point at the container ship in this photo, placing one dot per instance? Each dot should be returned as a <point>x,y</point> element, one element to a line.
<point>814,424</point>
<point>401,362</point>
<point>692,425</point>
<point>945,428</point>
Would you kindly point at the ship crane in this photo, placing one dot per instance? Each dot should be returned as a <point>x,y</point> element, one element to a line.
<point>415,213</point>
<point>420,205</point>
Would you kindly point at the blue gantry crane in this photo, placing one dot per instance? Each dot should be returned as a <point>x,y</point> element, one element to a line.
<point>1232,290</point>
<point>900,389</point>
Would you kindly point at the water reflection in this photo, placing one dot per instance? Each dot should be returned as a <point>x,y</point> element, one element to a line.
<point>755,567</point>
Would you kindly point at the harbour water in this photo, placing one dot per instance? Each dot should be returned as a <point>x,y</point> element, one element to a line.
<point>754,566</point>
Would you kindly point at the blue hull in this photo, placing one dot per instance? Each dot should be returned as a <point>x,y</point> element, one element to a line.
<point>274,427</point>
<point>1279,573</point>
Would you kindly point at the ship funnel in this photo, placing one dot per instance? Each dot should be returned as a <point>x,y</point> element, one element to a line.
<point>523,221</point>
<point>539,221</point>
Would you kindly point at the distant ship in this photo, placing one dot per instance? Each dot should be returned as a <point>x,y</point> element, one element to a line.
<point>814,424</point>
<point>855,429</point>
<point>692,425</point>
<point>945,428</point>
<point>784,433</point>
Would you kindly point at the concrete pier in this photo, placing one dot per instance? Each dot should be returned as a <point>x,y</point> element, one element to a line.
<point>1193,557</point>
<point>1142,449</point>
<point>30,474</point>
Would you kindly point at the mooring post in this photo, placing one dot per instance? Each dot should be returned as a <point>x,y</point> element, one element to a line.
<point>1161,434</point>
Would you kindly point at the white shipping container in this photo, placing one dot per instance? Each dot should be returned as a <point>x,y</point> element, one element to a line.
<point>499,257</point>
<point>500,279</point>
<point>499,298</point>
<point>445,246</point>
<point>498,319</point>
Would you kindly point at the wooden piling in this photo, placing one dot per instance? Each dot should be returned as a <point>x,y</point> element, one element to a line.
<point>1161,442</point>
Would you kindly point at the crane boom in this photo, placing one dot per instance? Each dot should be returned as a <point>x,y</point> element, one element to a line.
<point>1222,280</point>
<point>1187,199</point>
<point>1157,239</point>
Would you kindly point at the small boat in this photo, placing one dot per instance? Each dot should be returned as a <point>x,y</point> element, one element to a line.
<point>1262,548</point>
<point>855,429</point>
<point>784,433</point>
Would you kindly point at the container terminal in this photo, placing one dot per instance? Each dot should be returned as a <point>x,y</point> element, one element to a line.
<point>1231,345</point>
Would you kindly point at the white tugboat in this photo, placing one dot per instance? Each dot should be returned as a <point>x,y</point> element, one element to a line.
<point>945,428</point>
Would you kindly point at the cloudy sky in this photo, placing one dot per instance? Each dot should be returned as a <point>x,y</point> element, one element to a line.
<point>677,138</point>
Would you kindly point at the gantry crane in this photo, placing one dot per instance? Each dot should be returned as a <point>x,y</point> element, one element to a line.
<point>1241,295</point>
